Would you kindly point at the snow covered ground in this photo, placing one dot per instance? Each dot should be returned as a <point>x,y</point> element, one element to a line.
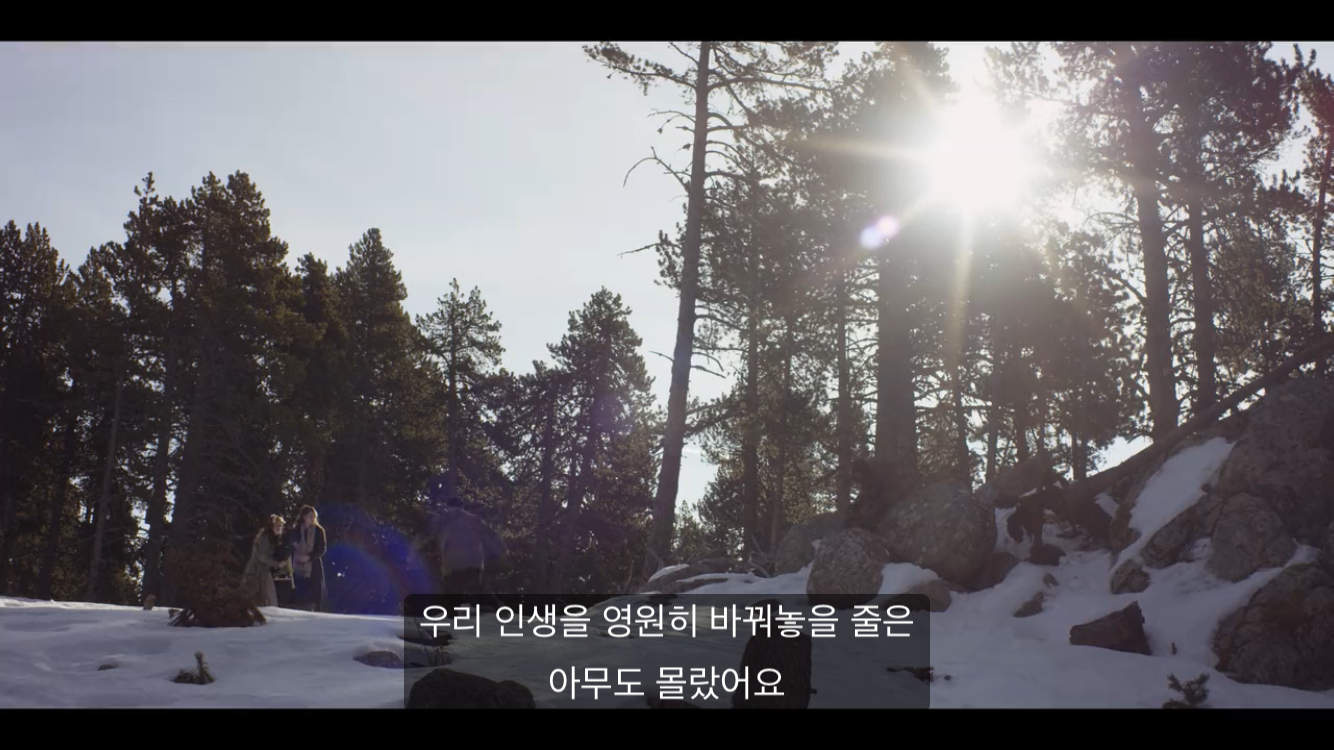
<point>52,654</point>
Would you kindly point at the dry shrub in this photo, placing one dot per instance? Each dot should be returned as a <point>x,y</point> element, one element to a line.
<point>200,675</point>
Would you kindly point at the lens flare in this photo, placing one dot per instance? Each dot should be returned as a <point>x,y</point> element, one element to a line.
<point>880,232</point>
<point>870,238</point>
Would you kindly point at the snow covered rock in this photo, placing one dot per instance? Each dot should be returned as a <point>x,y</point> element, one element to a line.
<point>1171,511</point>
<point>1284,635</point>
<point>681,578</point>
<point>938,593</point>
<point>943,527</point>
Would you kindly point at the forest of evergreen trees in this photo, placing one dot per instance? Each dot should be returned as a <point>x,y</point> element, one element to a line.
<point>186,380</point>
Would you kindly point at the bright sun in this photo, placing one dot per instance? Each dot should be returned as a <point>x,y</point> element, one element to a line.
<point>977,161</point>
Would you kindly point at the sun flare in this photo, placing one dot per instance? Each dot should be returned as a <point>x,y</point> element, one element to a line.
<point>978,161</point>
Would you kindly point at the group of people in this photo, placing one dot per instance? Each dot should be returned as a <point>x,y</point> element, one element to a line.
<point>283,552</point>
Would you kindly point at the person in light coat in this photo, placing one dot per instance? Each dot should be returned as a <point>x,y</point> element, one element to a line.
<point>265,559</point>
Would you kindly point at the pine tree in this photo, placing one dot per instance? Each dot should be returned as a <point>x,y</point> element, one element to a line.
<point>464,338</point>
<point>610,392</point>
<point>36,301</point>
<point>742,74</point>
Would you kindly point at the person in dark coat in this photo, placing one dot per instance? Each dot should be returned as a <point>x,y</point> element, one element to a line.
<point>466,546</point>
<point>308,544</point>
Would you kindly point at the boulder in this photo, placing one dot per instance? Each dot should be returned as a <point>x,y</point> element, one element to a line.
<point>796,551</point>
<point>446,688</point>
<point>848,566</point>
<point>1284,635</point>
<point>1032,606</point>
<point>937,591</point>
<point>1285,456</point>
<point>994,571</point>
<point>386,659</point>
<point>1122,630</point>
<point>939,595</point>
<point>1248,536</point>
<point>1130,577</point>
<point>943,528</point>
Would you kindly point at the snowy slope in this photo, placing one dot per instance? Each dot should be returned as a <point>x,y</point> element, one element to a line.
<point>50,653</point>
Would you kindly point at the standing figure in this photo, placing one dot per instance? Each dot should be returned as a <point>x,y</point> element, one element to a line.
<point>308,545</point>
<point>257,581</point>
<point>463,543</point>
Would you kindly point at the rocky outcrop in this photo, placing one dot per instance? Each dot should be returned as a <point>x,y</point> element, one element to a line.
<point>1247,536</point>
<point>446,688</point>
<point>943,528</point>
<point>1284,635</point>
<point>1284,456</point>
<point>1245,533</point>
<point>849,565</point>
<point>1130,578</point>
<point>796,550</point>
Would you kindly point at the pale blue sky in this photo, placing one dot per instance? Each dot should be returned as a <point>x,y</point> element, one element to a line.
<point>500,164</point>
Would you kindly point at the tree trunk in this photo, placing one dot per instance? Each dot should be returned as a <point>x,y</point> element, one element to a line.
<point>8,538</point>
<point>157,503</point>
<point>896,403</point>
<point>750,448</point>
<point>545,504</point>
<point>963,456</point>
<point>664,504</point>
<point>183,516</point>
<point>1022,423</point>
<point>574,503</point>
<point>776,509</point>
<point>843,494</point>
<point>993,439</point>
<point>1318,240</point>
<point>57,510</point>
<point>102,501</point>
<point>452,408</point>
<point>1206,389</point>
<point>1157,290</point>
